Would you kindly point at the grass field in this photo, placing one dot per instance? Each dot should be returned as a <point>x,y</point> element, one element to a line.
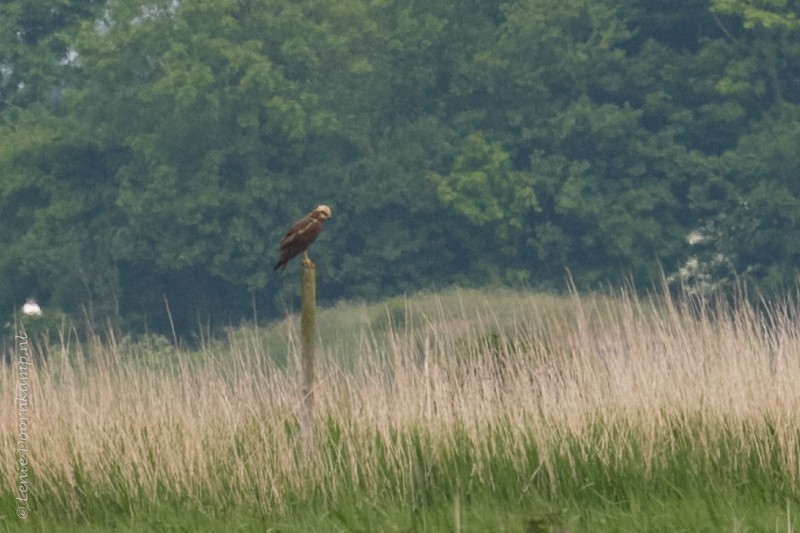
<point>458,411</point>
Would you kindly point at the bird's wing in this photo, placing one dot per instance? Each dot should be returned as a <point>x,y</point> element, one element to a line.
<point>297,230</point>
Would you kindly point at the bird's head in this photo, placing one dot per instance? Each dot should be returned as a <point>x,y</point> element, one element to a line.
<point>323,212</point>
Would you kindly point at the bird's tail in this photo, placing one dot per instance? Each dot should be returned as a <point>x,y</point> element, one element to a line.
<point>279,266</point>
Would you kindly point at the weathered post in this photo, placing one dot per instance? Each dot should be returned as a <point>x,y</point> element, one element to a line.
<point>308,327</point>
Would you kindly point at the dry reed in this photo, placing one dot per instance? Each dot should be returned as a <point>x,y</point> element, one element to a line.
<point>514,393</point>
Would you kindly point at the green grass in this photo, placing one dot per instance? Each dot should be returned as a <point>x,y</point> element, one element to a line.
<point>458,411</point>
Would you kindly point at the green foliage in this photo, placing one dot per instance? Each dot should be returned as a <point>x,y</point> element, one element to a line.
<point>760,13</point>
<point>36,54</point>
<point>752,224</point>
<point>161,149</point>
<point>472,188</point>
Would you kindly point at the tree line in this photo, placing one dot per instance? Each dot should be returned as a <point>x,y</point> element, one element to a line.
<point>153,152</point>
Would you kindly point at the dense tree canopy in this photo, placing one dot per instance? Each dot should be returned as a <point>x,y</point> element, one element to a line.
<point>154,151</point>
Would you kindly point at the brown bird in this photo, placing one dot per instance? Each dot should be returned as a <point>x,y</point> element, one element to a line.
<point>301,235</point>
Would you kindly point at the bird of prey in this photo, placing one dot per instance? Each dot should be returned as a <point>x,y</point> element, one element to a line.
<point>301,235</point>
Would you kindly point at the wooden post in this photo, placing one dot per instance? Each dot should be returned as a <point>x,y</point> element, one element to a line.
<point>308,331</point>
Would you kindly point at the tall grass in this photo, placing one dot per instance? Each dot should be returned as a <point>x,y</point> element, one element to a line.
<point>433,400</point>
